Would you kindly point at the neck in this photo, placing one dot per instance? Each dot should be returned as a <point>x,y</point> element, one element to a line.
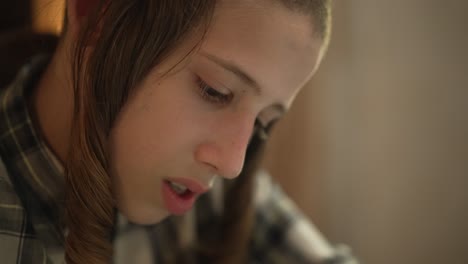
<point>52,102</point>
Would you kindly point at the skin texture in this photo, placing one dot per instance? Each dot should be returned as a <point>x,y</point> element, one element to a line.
<point>171,127</point>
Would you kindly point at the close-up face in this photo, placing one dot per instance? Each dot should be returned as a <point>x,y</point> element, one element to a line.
<point>183,130</point>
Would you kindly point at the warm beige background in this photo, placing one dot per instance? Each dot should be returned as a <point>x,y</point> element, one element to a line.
<point>375,150</point>
<point>383,165</point>
<point>47,15</point>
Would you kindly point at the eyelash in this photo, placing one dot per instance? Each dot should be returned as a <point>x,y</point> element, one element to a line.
<point>213,96</point>
<point>261,130</point>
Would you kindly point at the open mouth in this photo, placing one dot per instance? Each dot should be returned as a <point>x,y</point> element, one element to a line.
<point>179,194</point>
<point>181,190</point>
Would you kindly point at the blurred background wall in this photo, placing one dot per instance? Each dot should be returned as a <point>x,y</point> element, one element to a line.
<point>43,16</point>
<point>27,27</point>
<point>382,164</point>
<point>14,14</point>
<point>375,150</point>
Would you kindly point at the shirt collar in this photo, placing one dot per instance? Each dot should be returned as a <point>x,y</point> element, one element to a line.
<point>35,173</point>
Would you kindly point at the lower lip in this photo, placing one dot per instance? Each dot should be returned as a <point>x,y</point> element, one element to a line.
<point>177,204</point>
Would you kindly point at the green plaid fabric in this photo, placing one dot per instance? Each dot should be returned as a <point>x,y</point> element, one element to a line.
<point>31,203</point>
<point>30,184</point>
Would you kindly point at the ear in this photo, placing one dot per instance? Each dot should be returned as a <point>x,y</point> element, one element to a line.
<point>77,11</point>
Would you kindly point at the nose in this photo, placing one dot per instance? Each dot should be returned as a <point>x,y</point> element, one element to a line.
<point>224,150</point>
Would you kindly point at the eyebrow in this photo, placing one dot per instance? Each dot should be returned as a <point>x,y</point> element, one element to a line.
<point>241,74</point>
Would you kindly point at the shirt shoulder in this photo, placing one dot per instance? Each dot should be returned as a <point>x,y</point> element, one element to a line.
<point>11,209</point>
<point>283,234</point>
<point>18,243</point>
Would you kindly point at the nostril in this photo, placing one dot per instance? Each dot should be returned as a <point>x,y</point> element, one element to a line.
<point>212,167</point>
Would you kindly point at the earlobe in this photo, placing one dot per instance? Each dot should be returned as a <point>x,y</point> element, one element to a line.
<point>83,7</point>
<point>72,15</point>
<point>77,9</point>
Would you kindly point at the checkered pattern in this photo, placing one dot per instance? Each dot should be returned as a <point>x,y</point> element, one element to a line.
<point>29,183</point>
<point>31,191</point>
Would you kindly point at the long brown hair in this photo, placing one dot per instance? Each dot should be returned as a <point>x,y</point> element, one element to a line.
<point>129,38</point>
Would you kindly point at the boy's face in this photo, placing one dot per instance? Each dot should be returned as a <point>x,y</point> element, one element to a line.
<point>194,124</point>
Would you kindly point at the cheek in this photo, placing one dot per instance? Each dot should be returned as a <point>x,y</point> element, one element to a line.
<point>157,131</point>
<point>141,140</point>
<point>145,147</point>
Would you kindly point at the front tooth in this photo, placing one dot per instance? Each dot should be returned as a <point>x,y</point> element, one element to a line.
<point>178,187</point>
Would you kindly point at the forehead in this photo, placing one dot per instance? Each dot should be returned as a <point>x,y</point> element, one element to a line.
<point>274,45</point>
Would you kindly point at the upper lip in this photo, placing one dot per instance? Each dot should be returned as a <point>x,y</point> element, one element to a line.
<point>191,184</point>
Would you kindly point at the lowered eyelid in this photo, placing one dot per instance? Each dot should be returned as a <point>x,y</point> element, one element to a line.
<point>209,70</point>
<point>212,82</point>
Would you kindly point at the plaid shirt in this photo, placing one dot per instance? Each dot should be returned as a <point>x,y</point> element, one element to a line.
<point>31,203</point>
